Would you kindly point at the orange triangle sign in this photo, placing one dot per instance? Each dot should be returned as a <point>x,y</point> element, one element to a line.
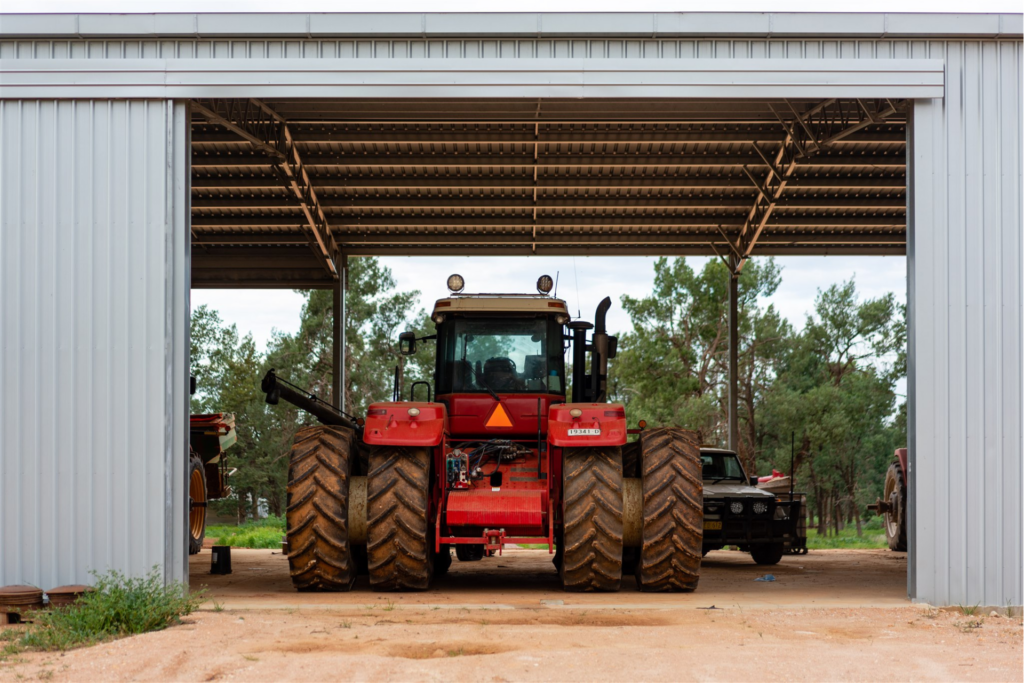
<point>498,418</point>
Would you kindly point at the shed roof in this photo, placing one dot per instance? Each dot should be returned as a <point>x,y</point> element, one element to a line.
<point>549,177</point>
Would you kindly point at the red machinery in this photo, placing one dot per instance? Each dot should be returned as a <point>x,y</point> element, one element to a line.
<point>209,436</point>
<point>496,457</point>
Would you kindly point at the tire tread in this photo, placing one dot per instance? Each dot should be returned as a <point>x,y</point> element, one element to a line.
<point>592,519</point>
<point>319,556</point>
<point>673,512</point>
<point>398,528</point>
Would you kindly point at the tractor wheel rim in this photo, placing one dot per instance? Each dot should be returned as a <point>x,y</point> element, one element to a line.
<point>196,494</point>
<point>892,522</point>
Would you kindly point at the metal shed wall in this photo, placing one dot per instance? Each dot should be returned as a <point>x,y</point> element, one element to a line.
<point>93,327</point>
<point>964,289</point>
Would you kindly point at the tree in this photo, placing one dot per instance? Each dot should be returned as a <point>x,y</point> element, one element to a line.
<point>672,367</point>
<point>835,391</point>
<point>229,370</point>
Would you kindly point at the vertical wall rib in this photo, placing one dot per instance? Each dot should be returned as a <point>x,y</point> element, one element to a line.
<point>93,229</point>
<point>966,270</point>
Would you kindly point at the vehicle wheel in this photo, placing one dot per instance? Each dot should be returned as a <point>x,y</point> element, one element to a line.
<point>896,518</point>
<point>319,555</point>
<point>592,519</point>
<point>442,561</point>
<point>673,512</point>
<point>399,542</point>
<point>767,553</point>
<point>469,553</point>
<point>196,504</point>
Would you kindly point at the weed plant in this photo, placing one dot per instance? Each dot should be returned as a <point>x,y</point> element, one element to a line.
<point>117,606</point>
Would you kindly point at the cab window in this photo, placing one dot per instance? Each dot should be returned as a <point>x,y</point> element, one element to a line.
<point>721,466</point>
<point>506,355</point>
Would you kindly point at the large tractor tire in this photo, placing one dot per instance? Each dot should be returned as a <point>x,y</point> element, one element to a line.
<point>673,511</point>
<point>896,517</point>
<point>399,542</point>
<point>319,471</point>
<point>592,519</point>
<point>196,504</point>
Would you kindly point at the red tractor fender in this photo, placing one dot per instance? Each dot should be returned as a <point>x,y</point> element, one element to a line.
<point>901,458</point>
<point>596,424</point>
<point>405,423</point>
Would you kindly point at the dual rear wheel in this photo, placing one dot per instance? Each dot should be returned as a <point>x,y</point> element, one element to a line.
<point>398,554</point>
<point>667,461</point>
<point>399,540</point>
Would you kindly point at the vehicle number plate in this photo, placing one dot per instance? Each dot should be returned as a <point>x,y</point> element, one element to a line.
<point>713,526</point>
<point>584,432</point>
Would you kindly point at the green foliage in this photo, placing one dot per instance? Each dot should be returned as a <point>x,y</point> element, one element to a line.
<point>847,538</point>
<point>229,369</point>
<point>117,606</point>
<point>261,533</point>
<point>831,386</point>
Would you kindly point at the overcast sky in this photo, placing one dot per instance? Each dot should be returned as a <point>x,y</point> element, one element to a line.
<point>260,312</point>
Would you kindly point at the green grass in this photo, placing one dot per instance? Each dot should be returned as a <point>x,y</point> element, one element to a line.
<point>262,533</point>
<point>117,606</point>
<point>874,537</point>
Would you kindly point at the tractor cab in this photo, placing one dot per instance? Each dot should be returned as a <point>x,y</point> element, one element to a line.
<point>499,350</point>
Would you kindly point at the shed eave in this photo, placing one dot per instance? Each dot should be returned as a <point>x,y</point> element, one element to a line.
<point>641,25</point>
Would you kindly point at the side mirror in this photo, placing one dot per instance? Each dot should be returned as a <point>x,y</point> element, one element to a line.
<point>191,385</point>
<point>753,481</point>
<point>613,346</point>
<point>407,343</point>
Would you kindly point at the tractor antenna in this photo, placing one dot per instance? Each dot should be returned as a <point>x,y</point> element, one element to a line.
<point>577,279</point>
<point>556,284</point>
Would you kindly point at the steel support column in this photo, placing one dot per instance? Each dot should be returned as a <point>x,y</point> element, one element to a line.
<point>338,352</point>
<point>734,342</point>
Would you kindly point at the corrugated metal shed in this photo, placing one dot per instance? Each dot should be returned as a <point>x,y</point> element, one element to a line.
<point>965,286</point>
<point>455,173</point>
<point>93,339</point>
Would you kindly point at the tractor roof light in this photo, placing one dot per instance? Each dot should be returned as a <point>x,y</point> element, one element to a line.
<point>455,283</point>
<point>545,284</point>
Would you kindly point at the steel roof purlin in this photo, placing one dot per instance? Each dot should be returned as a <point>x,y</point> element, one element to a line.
<point>697,181</point>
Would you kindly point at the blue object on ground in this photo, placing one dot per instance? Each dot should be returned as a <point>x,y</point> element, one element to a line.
<point>766,577</point>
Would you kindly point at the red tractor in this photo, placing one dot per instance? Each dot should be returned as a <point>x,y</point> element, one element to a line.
<point>496,456</point>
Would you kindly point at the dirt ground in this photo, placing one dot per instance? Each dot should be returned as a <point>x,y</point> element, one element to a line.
<point>829,615</point>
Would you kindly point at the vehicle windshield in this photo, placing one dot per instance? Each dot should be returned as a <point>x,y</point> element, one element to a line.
<point>721,466</point>
<point>505,355</point>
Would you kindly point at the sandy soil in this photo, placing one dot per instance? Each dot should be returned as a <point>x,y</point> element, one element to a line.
<point>830,615</point>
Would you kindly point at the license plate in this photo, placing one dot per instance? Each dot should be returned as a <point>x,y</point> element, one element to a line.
<point>584,432</point>
<point>713,526</point>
